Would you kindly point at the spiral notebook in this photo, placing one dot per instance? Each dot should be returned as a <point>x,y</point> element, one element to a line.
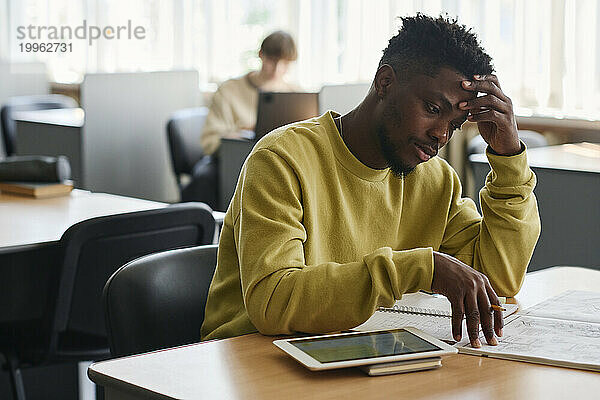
<point>429,313</point>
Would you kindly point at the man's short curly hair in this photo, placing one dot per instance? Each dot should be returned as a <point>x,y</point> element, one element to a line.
<point>424,44</point>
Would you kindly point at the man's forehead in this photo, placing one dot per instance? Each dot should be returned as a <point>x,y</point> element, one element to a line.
<point>445,85</point>
<point>453,95</point>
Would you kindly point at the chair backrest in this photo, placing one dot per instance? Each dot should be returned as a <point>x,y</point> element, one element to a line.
<point>27,103</point>
<point>183,132</point>
<point>94,249</point>
<point>531,139</point>
<point>158,301</point>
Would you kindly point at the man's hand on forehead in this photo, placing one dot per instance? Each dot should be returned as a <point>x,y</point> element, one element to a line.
<point>493,112</point>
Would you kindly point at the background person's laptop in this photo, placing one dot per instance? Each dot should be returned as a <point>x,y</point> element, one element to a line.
<point>276,109</point>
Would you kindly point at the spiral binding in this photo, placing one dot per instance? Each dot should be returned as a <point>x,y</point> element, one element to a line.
<point>416,310</point>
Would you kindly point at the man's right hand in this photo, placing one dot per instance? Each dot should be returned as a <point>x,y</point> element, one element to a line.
<point>470,294</point>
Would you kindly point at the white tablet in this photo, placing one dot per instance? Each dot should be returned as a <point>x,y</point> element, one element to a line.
<point>363,348</point>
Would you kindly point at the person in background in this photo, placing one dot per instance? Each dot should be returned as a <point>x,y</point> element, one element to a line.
<point>232,112</point>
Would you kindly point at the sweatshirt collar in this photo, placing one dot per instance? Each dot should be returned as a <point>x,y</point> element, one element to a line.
<point>345,156</point>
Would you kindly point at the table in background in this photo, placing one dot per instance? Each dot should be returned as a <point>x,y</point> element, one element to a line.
<point>30,230</point>
<point>251,366</point>
<point>568,193</point>
<point>29,233</point>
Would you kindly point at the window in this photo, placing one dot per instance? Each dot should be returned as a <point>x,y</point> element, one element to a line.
<point>547,54</point>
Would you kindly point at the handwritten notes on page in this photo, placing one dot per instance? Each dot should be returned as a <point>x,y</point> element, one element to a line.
<point>546,341</point>
<point>562,331</point>
<point>573,305</point>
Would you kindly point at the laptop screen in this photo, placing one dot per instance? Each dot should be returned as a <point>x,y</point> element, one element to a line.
<point>277,109</point>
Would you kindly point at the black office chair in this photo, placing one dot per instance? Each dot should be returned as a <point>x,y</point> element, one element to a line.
<point>157,301</point>
<point>184,129</point>
<point>73,328</point>
<point>27,103</point>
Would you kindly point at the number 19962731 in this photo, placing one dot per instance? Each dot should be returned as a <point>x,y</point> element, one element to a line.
<point>49,47</point>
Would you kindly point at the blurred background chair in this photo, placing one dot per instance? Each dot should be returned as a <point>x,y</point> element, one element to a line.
<point>195,172</point>
<point>73,328</point>
<point>27,103</point>
<point>158,301</point>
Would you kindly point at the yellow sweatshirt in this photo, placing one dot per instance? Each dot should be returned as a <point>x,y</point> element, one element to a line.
<point>314,241</point>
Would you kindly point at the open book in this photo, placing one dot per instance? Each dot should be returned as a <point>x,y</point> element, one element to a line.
<point>562,331</point>
<point>429,313</point>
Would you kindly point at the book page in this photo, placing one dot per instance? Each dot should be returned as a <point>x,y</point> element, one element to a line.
<point>545,341</point>
<point>572,305</point>
<point>438,327</point>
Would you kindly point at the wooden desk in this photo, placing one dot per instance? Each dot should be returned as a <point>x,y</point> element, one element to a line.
<point>29,233</point>
<point>568,189</point>
<point>251,367</point>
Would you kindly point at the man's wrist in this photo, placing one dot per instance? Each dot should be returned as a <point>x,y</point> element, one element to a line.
<point>513,151</point>
<point>509,171</point>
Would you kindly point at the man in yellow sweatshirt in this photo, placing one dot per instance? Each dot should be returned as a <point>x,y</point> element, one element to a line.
<point>336,216</point>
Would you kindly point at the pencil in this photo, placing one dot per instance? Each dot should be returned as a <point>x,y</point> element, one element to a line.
<point>498,308</point>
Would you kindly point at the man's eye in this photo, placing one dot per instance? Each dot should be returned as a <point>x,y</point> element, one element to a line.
<point>432,109</point>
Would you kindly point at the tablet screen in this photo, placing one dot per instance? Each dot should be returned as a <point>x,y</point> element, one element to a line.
<point>365,345</point>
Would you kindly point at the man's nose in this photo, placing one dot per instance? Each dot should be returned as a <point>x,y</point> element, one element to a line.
<point>439,133</point>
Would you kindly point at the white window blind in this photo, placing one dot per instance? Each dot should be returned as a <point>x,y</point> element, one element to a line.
<point>546,52</point>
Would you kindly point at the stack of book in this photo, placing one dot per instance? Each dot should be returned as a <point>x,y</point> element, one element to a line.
<point>37,190</point>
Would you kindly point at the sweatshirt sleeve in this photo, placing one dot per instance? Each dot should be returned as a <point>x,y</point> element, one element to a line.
<point>219,122</point>
<point>284,294</point>
<point>500,244</point>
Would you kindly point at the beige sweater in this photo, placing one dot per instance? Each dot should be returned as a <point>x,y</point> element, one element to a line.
<point>233,108</point>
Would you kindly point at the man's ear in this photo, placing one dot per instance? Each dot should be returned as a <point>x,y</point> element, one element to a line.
<point>384,78</point>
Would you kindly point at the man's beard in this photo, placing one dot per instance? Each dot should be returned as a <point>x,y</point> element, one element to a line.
<point>390,151</point>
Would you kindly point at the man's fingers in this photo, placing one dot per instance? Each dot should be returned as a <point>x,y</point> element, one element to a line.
<point>457,317</point>
<point>484,86</point>
<point>490,77</point>
<point>498,322</point>
<point>498,118</point>
<point>485,103</point>
<point>488,115</point>
<point>485,312</point>
<point>498,318</point>
<point>473,317</point>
